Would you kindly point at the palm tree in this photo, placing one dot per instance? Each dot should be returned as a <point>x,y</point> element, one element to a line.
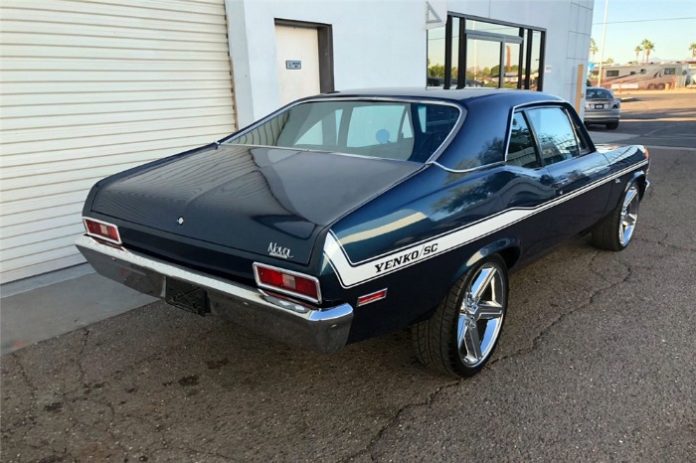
<point>692,47</point>
<point>648,46</point>
<point>593,48</point>
<point>637,50</point>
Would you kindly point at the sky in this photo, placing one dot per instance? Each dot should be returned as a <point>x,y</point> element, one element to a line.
<point>655,20</point>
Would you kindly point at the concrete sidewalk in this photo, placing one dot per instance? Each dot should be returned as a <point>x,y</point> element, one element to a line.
<point>49,305</point>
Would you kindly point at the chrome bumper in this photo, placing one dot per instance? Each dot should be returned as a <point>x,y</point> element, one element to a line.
<point>324,330</point>
<point>606,115</point>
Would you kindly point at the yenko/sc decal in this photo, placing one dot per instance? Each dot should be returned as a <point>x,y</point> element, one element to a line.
<point>406,257</point>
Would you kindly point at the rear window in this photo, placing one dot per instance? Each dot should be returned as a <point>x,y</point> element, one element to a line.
<point>598,94</point>
<point>400,130</point>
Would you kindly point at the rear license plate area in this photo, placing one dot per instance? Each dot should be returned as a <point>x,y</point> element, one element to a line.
<point>599,106</point>
<point>186,296</point>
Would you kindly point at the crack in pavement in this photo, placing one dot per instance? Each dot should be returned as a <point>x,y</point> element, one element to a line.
<point>25,376</point>
<point>78,363</point>
<point>394,419</point>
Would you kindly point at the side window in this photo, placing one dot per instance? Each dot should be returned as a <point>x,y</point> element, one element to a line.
<point>555,134</point>
<point>522,149</point>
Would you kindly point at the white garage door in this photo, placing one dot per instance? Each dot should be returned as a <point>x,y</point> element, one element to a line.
<point>90,88</point>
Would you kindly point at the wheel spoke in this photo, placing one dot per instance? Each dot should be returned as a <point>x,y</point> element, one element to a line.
<point>630,196</point>
<point>461,330</point>
<point>489,310</point>
<point>483,279</point>
<point>472,342</point>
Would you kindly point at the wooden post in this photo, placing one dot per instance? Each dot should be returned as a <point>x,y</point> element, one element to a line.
<point>579,86</point>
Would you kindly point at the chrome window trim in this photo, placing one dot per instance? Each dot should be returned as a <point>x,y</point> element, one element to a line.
<point>260,284</point>
<point>507,140</point>
<point>445,143</point>
<point>472,169</point>
<point>309,150</point>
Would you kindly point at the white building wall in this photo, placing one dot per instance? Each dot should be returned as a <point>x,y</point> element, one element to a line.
<point>375,44</point>
<point>383,43</point>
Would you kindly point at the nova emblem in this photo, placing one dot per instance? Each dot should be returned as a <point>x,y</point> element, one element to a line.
<point>279,251</point>
<point>180,220</point>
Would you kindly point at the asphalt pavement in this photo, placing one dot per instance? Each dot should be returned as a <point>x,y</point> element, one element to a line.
<point>596,363</point>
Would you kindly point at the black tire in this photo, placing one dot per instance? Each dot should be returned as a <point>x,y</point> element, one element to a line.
<point>606,234</point>
<point>436,340</point>
<point>613,125</point>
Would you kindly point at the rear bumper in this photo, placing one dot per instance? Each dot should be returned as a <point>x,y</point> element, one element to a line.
<point>323,330</point>
<point>602,116</point>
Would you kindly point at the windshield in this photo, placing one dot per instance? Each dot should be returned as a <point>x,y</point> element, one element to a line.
<point>383,129</point>
<point>598,94</point>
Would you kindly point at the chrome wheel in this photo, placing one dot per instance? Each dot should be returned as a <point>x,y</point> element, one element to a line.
<point>481,316</point>
<point>629,215</point>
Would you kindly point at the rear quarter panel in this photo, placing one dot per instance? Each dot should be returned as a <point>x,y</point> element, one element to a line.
<point>435,226</point>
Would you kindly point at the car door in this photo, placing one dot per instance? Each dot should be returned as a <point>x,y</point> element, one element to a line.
<point>530,188</point>
<point>574,169</point>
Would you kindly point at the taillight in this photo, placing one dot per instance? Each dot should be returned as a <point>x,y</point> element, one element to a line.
<point>287,282</point>
<point>102,230</point>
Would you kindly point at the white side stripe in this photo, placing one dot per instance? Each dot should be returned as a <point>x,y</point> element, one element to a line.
<point>351,274</point>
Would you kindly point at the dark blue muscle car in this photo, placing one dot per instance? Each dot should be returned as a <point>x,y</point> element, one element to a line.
<point>348,215</point>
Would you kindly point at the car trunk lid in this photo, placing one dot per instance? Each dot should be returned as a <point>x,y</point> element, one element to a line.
<point>264,200</point>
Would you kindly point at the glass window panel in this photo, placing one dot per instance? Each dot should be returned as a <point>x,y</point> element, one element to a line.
<point>375,124</point>
<point>399,130</point>
<point>324,132</point>
<point>482,63</point>
<point>481,26</point>
<point>598,94</point>
<point>522,150</point>
<point>511,69</point>
<point>526,36</point>
<point>555,134</point>
<point>536,60</point>
<point>436,57</point>
<point>455,52</point>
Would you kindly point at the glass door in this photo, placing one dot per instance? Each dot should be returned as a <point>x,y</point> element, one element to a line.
<point>483,63</point>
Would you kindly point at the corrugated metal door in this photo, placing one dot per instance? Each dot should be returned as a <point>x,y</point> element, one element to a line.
<point>90,88</point>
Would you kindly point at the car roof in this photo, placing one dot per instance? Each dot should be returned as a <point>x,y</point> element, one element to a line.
<point>462,95</point>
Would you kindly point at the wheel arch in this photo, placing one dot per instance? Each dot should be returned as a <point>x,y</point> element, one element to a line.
<point>641,179</point>
<point>508,249</point>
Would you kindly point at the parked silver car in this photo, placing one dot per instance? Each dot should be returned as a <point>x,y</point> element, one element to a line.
<point>601,107</point>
